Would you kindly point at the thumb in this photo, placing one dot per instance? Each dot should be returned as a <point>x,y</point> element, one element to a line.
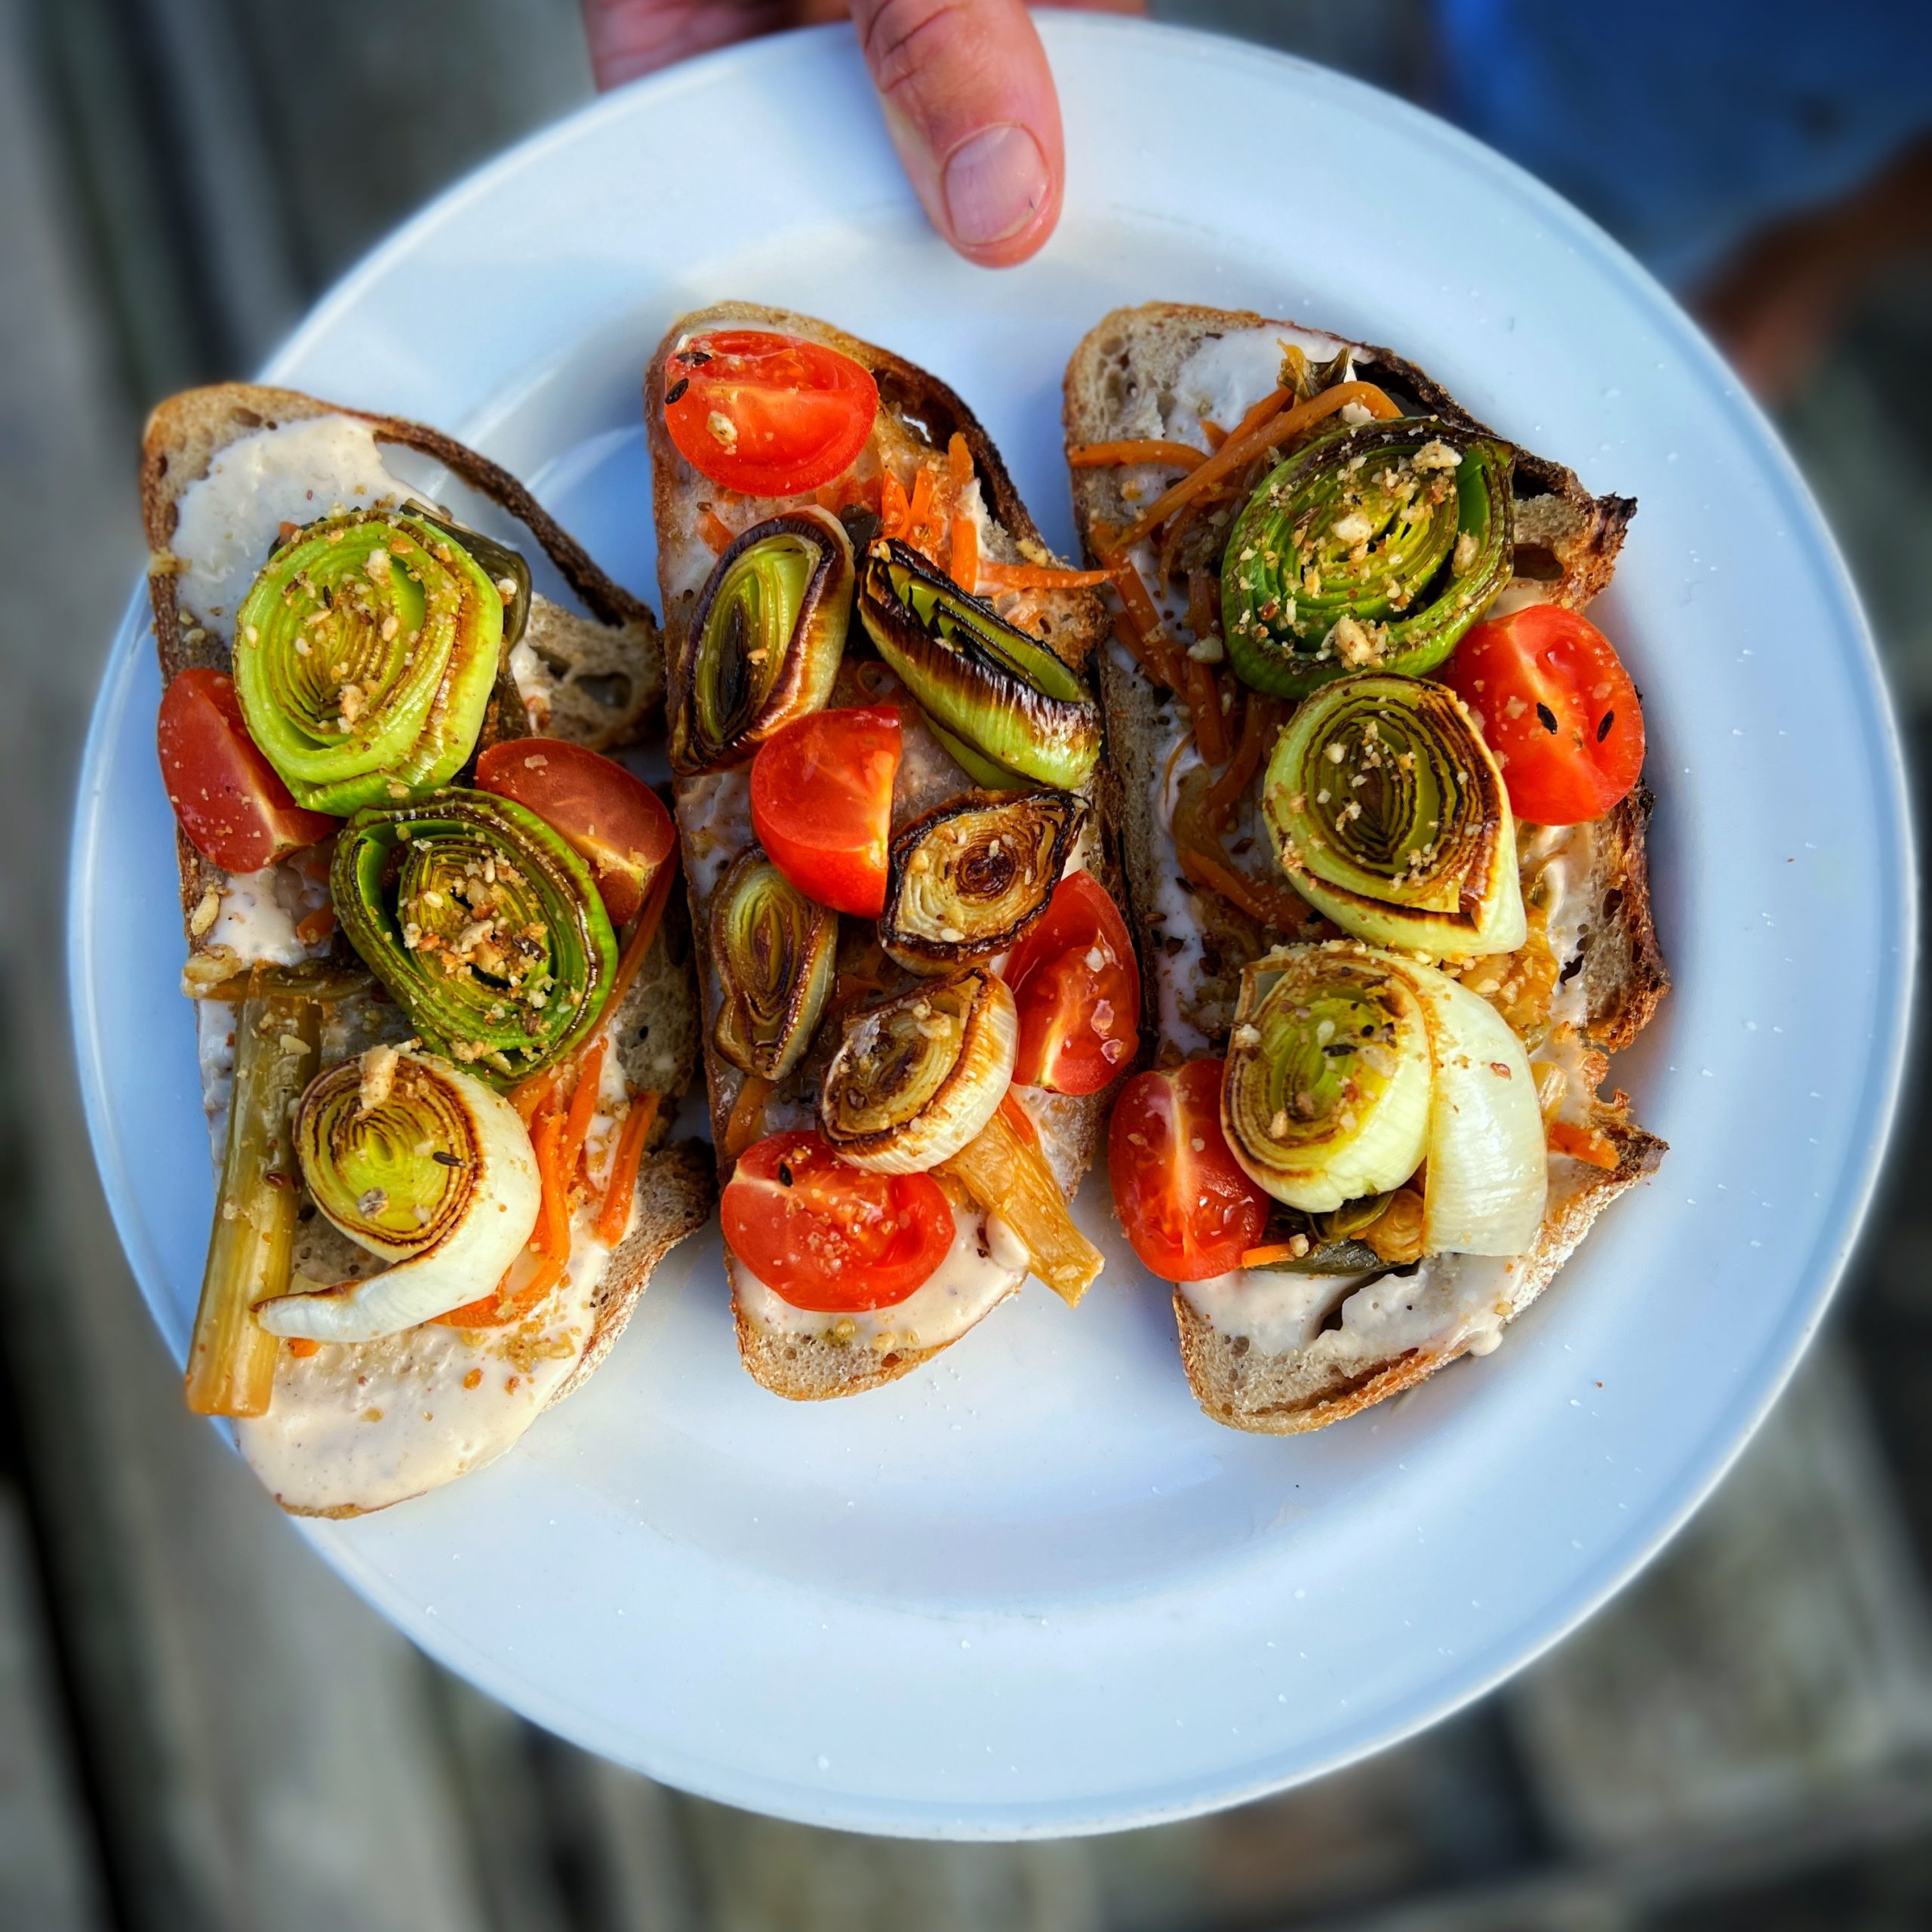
<point>971,106</point>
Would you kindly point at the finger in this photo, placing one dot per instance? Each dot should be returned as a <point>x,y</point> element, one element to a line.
<point>629,37</point>
<point>971,108</point>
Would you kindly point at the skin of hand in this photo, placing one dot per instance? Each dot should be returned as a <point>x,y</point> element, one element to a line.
<point>967,96</point>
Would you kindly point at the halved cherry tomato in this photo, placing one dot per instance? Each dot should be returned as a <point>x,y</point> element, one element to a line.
<point>234,807</point>
<point>1558,709</point>
<point>822,803</point>
<point>1077,984</point>
<point>827,1235</point>
<point>615,820</point>
<point>1189,1209</point>
<point>768,414</point>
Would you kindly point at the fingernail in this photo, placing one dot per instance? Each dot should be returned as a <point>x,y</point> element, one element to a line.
<point>995,184</point>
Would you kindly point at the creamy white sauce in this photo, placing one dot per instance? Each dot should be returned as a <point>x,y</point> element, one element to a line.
<point>227,520</point>
<point>986,1263</point>
<point>1519,593</point>
<point>1228,374</point>
<point>714,819</point>
<point>214,1049</point>
<point>255,923</point>
<point>365,1425</point>
<point>1176,973</point>
<point>1560,858</point>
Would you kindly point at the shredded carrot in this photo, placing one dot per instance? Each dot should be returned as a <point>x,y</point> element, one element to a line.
<point>1589,1144</point>
<point>964,567</point>
<point>531,1097</point>
<point>1203,862</point>
<point>583,1108</point>
<point>552,1235</point>
<point>1135,449</point>
<point>716,532</point>
<point>1018,1118</point>
<point>1274,400</point>
<point>923,524</point>
<point>317,926</point>
<point>959,463</point>
<point>1249,442</point>
<point>1258,723</point>
<point>1147,638</point>
<point>1271,1253</point>
<point>614,1216</point>
<point>746,1122</point>
<point>1203,693</point>
<point>527,1281</point>
<point>894,510</point>
<point>1040,576</point>
<point>1215,434</point>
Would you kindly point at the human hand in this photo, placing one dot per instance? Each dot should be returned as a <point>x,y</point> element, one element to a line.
<point>968,99</point>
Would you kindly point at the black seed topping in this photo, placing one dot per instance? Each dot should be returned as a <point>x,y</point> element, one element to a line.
<point>1603,729</point>
<point>1547,718</point>
<point>446,1160</point>
<point>676,392</point>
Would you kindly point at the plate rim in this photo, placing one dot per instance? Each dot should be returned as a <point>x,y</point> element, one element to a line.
<point>1733,1428</point>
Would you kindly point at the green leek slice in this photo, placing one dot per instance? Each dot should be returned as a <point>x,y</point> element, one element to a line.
<point>485,925</point>
<point>365,654</point>
<point>1390,816</point>
<point>776,952</point>
<point>1375,547</point>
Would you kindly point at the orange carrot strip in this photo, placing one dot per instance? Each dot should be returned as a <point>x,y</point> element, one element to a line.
<point>1215,434</point>
<point>1242,448</point>
<point>1258,723</point>
<point>894,510</point>
<point>964,568</point>
<point>552,1235</point>
<point>716,532</point>
<point>1018,1118</point>
<point>1270,1252</point>
<point>746,1122</point>
<point>1203,693</point>
<point>1147,637</point>
<point>1135,449</point>
<point>921,528</point>
<point>1274,400</point>
<point>531,1097</point>
<point>959,463</point>
<point>1584,1144</point>
<point>614,1215</point>
<point>583,1108</point>
<point>505,1303</point>
<point>1040,576</point>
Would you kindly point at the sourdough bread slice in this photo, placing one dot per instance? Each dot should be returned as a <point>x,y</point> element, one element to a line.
<point>918,416</point>
<point>592,679</point>
<point>1130,378</point>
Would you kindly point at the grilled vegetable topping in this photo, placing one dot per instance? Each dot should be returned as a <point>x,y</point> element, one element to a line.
<point>777,955</point>
<point>231,1358</point>
<point>365,654</point>
<point>917,1076</point>
<point>482,922</point>
<point>1389,815</point>
<point>765,639</point>
<point>1008,1175</point>
<point>1347,1067</point>
<point>421,1165</point>
<point>972,879</point>
<point>1002,702</point>
<point>1376,546</point>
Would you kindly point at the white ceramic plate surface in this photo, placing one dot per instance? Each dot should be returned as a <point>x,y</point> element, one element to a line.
<point>1029,1589</point>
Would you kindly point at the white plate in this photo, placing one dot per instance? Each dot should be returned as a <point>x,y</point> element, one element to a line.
<point>1030,1590</point>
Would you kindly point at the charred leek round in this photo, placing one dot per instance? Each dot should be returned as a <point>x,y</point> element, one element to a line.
<point>1002,702</point>
<point>775,953</point>
<point>1389,815</point>
<point>1374,547</point>
<point>422,1166</point>
<point>1348,1067</point>
<point>765,639</point>
<point>917,1076</point>
<point>482,922</point>
<point>972,879</point>
<point>365,657</point>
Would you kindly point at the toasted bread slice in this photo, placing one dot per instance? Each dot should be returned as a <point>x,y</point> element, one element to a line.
<point>918,416</point>
<point>1590,884</point>
<point>592,679</point>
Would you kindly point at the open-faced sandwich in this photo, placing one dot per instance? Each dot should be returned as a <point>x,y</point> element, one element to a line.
<point>443,991</point>
<point>1384,837</point>
<point>918,987</point>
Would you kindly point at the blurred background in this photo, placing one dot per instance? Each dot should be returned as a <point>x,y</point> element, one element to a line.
<point>200,1728</point>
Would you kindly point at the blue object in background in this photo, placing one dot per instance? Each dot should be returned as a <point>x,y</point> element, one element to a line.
<point>1685,125</point>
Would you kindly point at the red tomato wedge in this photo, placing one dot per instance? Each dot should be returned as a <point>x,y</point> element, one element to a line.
<point>1558,709</point>
<point>1077,984</point>
<point>827,1236</point>
<point>822,803</point>
<point>613,820</point>
<point>234,807</point>
<point>1189,1209</point>
<point>768,414</point>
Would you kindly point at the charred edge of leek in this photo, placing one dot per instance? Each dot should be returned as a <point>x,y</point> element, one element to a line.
<point>231,1358</point>
<point>982,683</point>
<point>1371,547</point>
<point>776,954</point>
<point>916,1077</point>
<point>972,879</point>
<point>765,642</point>
<point>1389,815</point>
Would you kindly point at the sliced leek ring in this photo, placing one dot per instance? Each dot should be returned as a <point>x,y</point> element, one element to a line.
<point>776,952</point>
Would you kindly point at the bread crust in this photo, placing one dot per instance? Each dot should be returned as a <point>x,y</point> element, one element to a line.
<point>654,1030</point>
<point>809,1368</point>
<point>1575,538</point>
